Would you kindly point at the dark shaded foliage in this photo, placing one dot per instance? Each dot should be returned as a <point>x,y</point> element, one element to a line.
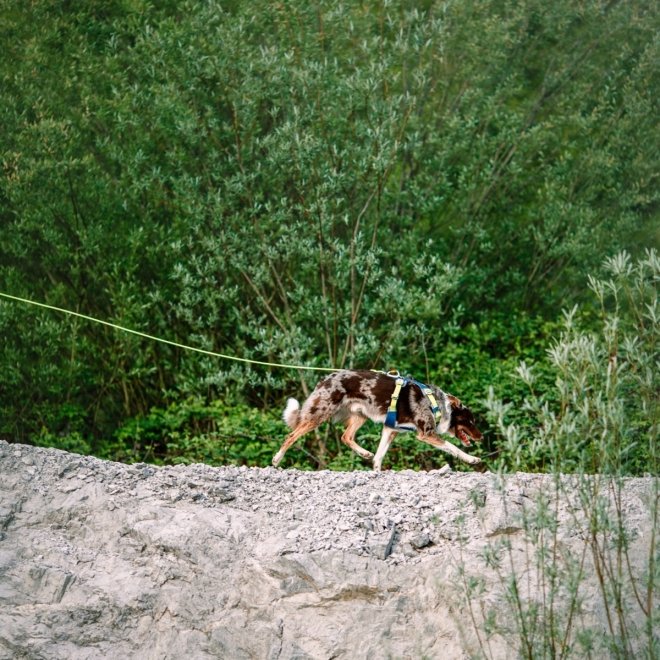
<point>420,186</point>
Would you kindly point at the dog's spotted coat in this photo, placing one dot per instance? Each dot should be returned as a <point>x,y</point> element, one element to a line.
<point>352,397</point>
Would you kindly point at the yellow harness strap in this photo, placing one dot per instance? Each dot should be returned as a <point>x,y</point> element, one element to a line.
<point>395,395</point>
<point>391,416</point>
<point>428,393</point>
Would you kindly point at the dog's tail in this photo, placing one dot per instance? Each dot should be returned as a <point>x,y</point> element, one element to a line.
<point>291,413</point>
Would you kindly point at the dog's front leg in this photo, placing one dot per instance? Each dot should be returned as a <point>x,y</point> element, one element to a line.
<point>449,448</point>
<point>385,441</point>
<point>348,438</point>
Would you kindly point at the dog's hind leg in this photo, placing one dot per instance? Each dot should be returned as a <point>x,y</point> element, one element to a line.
<point>348,438</point>
<point>299,431</point>
<point>385,441</point>
<point>449,448</point>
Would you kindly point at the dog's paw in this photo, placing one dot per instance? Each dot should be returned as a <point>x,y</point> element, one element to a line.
<point>276,460</point>
<point>368,456</point>
<point>478,465</point>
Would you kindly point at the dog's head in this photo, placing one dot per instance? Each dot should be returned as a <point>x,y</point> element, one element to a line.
<point>462,424</point>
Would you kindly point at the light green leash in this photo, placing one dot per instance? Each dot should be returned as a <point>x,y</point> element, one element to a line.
<point>164,341</point>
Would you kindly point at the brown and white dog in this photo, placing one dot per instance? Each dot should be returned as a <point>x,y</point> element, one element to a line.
<point>353,397</point>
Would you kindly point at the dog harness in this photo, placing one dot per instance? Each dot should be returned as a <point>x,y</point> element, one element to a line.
<point>400,383</point>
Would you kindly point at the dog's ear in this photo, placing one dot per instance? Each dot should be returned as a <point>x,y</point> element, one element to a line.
<point>454,401</point>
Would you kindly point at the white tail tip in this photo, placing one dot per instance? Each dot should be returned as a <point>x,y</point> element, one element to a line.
<point>291,413</point>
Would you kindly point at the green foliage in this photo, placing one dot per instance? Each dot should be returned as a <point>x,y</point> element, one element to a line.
<point>72,442</point>
<point>599,422</point>
<point>551,588</point>
<point>482,357</point>
<point>195,432</point>
<point>420,186</point>
<point>603,414</point>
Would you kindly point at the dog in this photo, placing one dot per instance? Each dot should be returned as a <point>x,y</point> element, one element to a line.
<point>353,397</point>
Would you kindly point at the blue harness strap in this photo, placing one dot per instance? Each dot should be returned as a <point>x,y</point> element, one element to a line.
<point>400,383</point>
<point>428,393</point>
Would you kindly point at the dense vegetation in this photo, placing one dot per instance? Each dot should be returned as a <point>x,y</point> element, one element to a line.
<point>413,185</point>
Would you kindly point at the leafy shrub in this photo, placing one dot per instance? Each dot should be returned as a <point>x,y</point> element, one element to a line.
<point>320,185</point>
<point>603,414</point>
<point>600,425</point>
<point>73,442</point>
<point>194,431</point>
<point>540,597</point>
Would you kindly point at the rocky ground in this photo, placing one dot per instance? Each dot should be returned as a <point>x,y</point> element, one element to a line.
<point>105,560</point>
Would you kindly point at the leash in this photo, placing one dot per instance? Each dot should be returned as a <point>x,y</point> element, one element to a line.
<point>164,341</point>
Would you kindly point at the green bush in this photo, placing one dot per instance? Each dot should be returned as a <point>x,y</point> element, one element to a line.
<point>197,432</point>
<point>332,186</point>
<point>603,413</point>
<point>600,425</point>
